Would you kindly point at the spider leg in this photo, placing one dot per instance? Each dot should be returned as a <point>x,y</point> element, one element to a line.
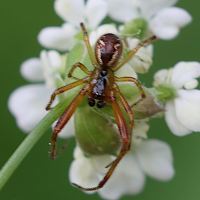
<point>129,56</point>
<point>128,110</point>
<point>81,66</point>
<point>65,88</point>
<point>126,139</point>
<point>65,118</point>
<point>90,52</point>
<point>126,107</point>
<point>134,80</point>
<point>61,149</point>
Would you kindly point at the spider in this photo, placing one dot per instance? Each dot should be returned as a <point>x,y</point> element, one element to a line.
<point>100,84</point>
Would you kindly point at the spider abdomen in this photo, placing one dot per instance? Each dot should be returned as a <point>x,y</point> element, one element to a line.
<point>99,88</point>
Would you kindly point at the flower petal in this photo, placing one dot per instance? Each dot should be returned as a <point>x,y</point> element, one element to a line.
<point>187,108</point>
<point>31,70</point>
<point>105,28</point>
<point>160,77</point>
<point>127,179</point>
<point>156,159</point>
<point>59,38</point>
<point>72,11</point>
<point>141,61</point>
<point>173,122</point>
<point>140,129</point>
<point>82,173</point>
<point>125,70</point>
<point>191,84</point>
<point>95,12</point>
<point>166,23</point>
<point>52,63</point>
<point>183,72</point>
<point>122,10</point>
<point>27,104</point>
<point>151,7</point>
<point>87,172</point>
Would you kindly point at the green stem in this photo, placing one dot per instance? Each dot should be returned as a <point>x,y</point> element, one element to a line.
<point>24,148</point>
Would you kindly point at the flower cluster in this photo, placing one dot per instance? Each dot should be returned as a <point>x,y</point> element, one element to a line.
<point>173,88</point>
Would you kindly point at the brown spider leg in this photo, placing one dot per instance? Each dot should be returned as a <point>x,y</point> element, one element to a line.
<point>65,88</point>
<point>126,139</point>
<point>90,52</point>
<point>131,54</point>
<point>61,149</point>
<point>65,118</point>
<point>81,66</point>
<point>128,111</point>
<point>134,80</point>
<point>126,107</point>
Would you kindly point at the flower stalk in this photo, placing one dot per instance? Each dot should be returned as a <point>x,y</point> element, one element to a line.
<point>24,148</point>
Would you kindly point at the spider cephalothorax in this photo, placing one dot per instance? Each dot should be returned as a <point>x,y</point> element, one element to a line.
<point>100,84</point>
<point>108,50</point>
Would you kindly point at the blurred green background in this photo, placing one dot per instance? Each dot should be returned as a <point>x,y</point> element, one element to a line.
<point>40,178</point>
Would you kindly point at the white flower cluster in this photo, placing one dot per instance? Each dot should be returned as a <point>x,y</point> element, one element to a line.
<point>183,110</point>
<point>175,87</point>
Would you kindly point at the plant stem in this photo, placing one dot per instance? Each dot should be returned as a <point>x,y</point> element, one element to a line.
<point>24,148</point>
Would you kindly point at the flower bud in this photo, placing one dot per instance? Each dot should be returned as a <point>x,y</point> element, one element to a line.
<point>95,133</point>
<point>136,27</point>
<point>148,107</point>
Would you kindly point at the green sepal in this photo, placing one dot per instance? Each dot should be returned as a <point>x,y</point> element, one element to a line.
<point>136,27</point>
<point>76,55</point>
<point>60,83</point>
<point>79,36</point>
<point>95,134</point>
<point>166,91</point>
<point>87,62</point>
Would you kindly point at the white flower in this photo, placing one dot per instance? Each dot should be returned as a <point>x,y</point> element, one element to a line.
<point>53,65</point>
<point>73,13</point>
<point>183,108</point>
<point>142,60</point>
<point>103,29</point>
<point>152,157</point>
<point>147,157</point>
<point>59,38</point>
<point>163,20</point>
<point>27,103</point>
